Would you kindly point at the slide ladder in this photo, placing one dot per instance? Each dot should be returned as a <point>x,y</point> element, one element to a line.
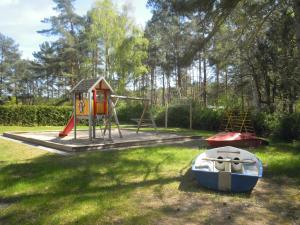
<point>68,128</point>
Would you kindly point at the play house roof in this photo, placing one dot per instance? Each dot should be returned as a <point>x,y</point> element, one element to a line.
<point>87,85</point>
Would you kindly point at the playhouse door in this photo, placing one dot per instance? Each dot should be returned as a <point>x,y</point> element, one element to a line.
<point>102,105</point>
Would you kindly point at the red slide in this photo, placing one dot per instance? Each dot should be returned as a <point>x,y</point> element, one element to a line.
<point>68,127</point>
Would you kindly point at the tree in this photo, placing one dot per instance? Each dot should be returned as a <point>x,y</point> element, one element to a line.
<point>66,26</point>
<point>117,44</point>
<point>9,55</point>
<point>108,32</point>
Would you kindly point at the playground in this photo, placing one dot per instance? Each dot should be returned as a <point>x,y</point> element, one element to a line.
<point>94,100</point>
<point>129,139</point>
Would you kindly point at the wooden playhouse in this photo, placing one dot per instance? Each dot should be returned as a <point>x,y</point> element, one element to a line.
<point>94,100</point>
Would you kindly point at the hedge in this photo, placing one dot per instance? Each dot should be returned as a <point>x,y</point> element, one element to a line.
<point>285,127</point>
<point>27,115</point>
<point>202,118</point>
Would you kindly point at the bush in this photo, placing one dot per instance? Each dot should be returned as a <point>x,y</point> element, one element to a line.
<point>289,127</point>
<point>127,110</point>
<point>179,116</point>
<point>207,119</point>
<point>28,115</point>
<point>286,127</point>
<point>52,116</point>
<point>265,124</point>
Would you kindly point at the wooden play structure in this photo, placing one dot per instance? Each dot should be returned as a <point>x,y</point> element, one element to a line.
<point>237,121</point>
<point>237,130</point>
<point>94,99</point>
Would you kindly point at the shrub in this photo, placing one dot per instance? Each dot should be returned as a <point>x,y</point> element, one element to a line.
<point>265,124</point>
<point>51,115</point>
<point>285,127</point>
<point>28,115</point>
<point>127,110</point>
<point>207,119</point>
<point>179,116</point>
<point>289,127</point>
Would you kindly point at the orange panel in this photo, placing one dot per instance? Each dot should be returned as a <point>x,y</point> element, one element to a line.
<point>82,107</point>
<point>100,107</point>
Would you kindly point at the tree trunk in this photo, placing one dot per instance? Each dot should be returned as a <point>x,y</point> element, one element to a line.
<point>242,93</point>
<point>204,83</point>
<point>226,82</point>
<point>200,74</point>
<point>179,84</point>
<point>106,63</point>
<point>268,91</point>
<point>152,86</point>
<point>217,81</point>
<point>169,88</point>
<point>297,24</point>
<point>163,90</point>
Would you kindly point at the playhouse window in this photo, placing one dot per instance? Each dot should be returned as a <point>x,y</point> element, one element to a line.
<point>100,97</point>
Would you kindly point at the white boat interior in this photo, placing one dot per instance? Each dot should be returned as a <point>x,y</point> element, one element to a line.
<point>228,159</point>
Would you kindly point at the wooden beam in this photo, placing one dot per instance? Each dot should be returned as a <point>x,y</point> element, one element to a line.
<point>141,119</point>
<point>116,118</point>
<point>129,98</point>
<point>74,111</point>
<point>109,116</point>
<point>90,116</point>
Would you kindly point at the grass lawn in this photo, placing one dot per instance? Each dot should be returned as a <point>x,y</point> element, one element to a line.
<point>141,186</point>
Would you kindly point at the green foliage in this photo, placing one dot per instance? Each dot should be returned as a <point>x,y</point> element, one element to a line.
<point>286,127</point>
<point>178,116</point>
<point>289,128</point>
<point>207,119</point>
<point>34,115</point>
<point>129,110</point>
<point>18,115</point>
<point>203,118</point>
<point>265,124</point>
<point>53,116</point>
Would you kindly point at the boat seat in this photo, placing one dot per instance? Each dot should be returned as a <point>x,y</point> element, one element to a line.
<point>236,166</point>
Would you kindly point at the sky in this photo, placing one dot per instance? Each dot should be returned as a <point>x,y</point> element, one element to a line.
<point>20,19</point>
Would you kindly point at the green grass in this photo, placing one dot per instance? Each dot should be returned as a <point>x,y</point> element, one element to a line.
<point>142,186</point>
<point>18,128</point>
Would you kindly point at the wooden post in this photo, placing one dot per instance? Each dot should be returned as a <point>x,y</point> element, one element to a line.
<point>90,116</point>
<point>94,112</point>
<point>116,118</point>
<point>142,116</point>
<point>74,110</point>
<point>109,117</point>
<point>153,121</point>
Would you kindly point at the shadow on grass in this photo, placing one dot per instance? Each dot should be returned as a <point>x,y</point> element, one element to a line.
<point>48,185</point>
<point>188,183</point>
<point>98,188</point>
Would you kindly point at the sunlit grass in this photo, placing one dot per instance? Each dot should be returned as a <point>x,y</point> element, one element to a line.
<point>141,186</point>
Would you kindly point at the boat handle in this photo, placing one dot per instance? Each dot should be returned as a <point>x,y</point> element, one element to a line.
<point>230,160</point>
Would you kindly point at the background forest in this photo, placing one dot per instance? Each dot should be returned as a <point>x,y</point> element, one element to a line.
<point>211,54</point>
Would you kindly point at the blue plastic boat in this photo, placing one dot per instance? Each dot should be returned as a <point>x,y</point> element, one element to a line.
<point>227,169</point>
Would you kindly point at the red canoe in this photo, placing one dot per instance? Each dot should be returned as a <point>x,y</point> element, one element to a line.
<point>236,139</point>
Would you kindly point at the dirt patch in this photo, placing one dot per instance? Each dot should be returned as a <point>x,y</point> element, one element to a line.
<point>270,202</point>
